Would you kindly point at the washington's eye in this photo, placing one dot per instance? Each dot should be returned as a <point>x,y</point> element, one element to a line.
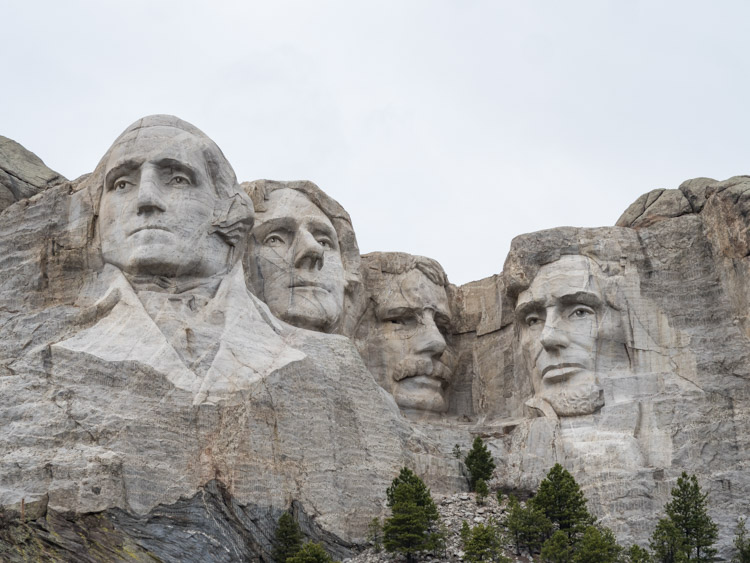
<point>325,243</point>
<point>180,181</point>
<point>120,185</point>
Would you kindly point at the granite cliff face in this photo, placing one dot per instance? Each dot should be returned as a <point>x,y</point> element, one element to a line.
<point>183,358</point>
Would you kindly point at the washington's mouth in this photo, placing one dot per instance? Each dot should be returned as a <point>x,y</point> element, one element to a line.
<point>148,228</point>
<point>556,372</point>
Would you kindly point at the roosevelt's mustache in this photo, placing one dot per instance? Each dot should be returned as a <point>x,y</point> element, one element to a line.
<point>412,367</point>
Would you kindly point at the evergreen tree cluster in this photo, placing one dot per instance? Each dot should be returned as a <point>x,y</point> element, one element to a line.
<point>289,548</point>
<point>479,462</point>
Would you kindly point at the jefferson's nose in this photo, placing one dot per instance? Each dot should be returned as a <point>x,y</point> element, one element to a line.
<point>429,338</point>
<point>149,196</point>
<point>308,252</point>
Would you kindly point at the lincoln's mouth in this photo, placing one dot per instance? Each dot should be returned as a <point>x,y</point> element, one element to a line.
<point>558,372</point>
<point>149,228</point>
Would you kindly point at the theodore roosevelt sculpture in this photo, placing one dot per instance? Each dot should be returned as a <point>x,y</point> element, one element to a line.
<point>173,222</point>
<point>303,259</point>
<point>403,335</point>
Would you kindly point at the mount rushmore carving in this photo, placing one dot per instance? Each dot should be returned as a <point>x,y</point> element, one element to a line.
<point>181,350</point>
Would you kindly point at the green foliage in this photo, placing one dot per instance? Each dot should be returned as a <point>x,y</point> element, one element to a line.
<point>465,532</point>
<point>598,545</point>
<point>687,533</point>
<point>741,544</point>
<point>481,490</point>
<point>288,539</point>
<point>484,543</point>
<point>560,499</point>
<point>414,515</point>
<point>499,496</point>
<point>479,462</point>
<point>419,493</point>
<point>375,534</point>
<point>636,554</point>
<point>666,543</point>
<point>528,527</point>
<point>557,549</point>
<point>311,553</point>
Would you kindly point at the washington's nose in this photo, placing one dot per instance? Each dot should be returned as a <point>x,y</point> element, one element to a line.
<point>429,338</point>
<point>149,197</point>
<point>309,252</point>
<point>553,337</point>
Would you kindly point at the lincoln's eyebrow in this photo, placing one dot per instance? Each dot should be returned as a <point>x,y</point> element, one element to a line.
<point>120,169</point>
<point>526,307</point>
<point>582,297</point>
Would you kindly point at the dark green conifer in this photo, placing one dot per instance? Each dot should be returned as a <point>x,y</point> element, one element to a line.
<point>288,540</point>
<point>561,500</point>
<point>479,462</point>
<point>311,553</point>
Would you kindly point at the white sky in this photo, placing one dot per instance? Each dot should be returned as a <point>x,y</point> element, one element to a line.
<point>444,128</point>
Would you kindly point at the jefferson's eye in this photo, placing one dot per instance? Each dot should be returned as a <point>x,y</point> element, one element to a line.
<point>273,240</point>
<point>581,312</point>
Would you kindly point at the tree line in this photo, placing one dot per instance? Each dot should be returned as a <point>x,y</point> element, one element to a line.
<point>553,526</point>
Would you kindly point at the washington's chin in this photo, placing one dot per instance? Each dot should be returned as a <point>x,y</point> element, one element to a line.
<point>421,393</point>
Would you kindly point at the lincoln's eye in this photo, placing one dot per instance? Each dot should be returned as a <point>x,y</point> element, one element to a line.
<point>581,312</point>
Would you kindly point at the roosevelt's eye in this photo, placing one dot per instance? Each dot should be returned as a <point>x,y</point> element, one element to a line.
<point>533,319</point>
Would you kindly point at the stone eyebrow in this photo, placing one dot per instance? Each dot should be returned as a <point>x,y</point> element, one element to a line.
<point>178,165</point>
<point>266,226</point>
<point>526,307</point>
<point>121,168</point>
<point>583,298</point>
<point>387,313</point>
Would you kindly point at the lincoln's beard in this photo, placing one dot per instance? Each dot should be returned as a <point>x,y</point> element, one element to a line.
<point>577,400</point>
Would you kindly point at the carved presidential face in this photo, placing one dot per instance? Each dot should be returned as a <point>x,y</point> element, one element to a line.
<point>298,267</point>
<point>565,330</point>
<point>406,343</point>
<point>157,207</point>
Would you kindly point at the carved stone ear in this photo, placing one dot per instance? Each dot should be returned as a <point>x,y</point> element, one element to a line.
<point>233,218</point>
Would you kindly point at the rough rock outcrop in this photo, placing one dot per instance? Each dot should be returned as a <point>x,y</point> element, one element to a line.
<point>176,368</point>
<point>22,173</point>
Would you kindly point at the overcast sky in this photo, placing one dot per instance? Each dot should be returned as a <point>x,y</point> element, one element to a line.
<point>444,128</point>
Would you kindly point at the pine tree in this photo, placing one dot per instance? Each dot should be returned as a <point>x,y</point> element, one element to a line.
<point>636,554</point>
<point>375,534</point>
<point>484,543</point>
<point>414,515</point>
<point>311,553</point>
<point>557,549</point>
<point>420,493</point>
<point>479,462</point>
<point>561,500</point>
<point>688,532</point>
<point>481,490</point>
<point>288,540</point>
<point>598,545</point>
<point>741,544</point>
<point>528,527</point>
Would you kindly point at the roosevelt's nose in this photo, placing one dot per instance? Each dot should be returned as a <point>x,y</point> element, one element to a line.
<point>308,252</point>
<point>149,193</point>
<point>429,338</point>
<point>553,337</point>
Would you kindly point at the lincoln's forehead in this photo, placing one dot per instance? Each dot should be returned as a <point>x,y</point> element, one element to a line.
<point>567,276</point>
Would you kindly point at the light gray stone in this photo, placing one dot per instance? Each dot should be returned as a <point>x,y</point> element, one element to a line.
<point>22,173</point>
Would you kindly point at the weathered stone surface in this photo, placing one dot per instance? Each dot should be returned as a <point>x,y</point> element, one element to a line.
<point>176,368</point>
<point>22,173</point>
